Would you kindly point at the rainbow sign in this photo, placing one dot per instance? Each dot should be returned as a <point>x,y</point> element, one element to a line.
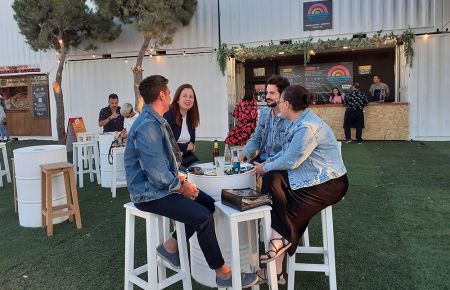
<point>317,12</point>
<point>338,75</point>
<point>317,15</point>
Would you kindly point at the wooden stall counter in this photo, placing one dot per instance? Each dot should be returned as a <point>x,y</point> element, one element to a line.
<point>383,121</point>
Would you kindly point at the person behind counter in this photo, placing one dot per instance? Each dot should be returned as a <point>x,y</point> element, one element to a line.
<point>354,114</point>
<point>378,91</point>
<point>109,117</point>
<point>246,113</point>
<point>307,176</point>
<point>336,96</point>
<point>156,185</point>
<point>3,131</point>
<point>183,117</point>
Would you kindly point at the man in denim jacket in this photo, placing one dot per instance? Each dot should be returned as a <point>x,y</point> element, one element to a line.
<point>155,185</point>
<point>268,137</point>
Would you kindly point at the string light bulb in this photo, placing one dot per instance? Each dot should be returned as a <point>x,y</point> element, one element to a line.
<point>184,53</point>
<point>60,41</point>
<point>94,56</point>
<point>126,61</point>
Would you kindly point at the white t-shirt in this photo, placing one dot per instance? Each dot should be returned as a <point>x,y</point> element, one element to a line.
<point>185,137</point>
<point>128,122</point>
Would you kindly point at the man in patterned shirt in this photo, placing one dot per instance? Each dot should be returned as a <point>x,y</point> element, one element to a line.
<point>354,115</point>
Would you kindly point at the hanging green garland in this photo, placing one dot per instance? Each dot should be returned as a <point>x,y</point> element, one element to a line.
<point>308,47</point>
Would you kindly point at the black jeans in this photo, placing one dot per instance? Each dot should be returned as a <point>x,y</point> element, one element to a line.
<point>354,118</point>
<point>197,217</point>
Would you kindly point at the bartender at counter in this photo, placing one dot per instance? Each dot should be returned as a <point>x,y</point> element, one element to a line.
<point>109,117</point>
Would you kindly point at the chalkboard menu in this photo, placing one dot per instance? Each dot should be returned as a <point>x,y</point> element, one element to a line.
<point>319,79</point>
<point>40,102</point>
<point>294,73</point>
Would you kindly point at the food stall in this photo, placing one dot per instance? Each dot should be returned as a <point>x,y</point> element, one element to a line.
<point>27,105</point>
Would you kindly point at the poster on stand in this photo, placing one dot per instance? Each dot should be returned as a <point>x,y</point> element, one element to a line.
<point>75,126</point>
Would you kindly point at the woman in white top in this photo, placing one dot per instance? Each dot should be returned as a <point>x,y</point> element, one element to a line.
<point>183,117</point>
<point>129,115</point>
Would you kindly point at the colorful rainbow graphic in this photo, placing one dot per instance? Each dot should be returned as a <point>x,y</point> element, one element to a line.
<point>338,71</point>
<point>338,75</point>
<point>317,12</point>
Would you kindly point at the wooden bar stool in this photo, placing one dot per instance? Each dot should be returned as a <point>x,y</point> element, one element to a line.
<point>49,212</point>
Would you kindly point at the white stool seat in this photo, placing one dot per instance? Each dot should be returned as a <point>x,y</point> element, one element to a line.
<point>86,153</point>
<point>327,251</point>
<point>233,217</point>
<point>155,267</point>
<point>4,168</point>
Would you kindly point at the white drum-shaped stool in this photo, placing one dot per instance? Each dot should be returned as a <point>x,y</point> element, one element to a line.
<point>213,185</point>
<point>105,141</point>
<point>27,165</point>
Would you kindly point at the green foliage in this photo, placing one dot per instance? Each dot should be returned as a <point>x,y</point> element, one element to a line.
<point>157,19</point>
<point>308,47</point>
<point>408,38</point>
<point>45,22</point>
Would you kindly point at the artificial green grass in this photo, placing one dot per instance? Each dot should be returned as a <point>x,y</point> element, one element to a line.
<point>392,230</point>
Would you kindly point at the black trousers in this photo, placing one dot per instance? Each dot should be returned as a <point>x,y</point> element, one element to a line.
<point>354,118</point>
<point>197,215</point>
<point>293,209</point>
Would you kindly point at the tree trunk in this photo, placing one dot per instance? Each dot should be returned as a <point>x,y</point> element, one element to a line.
<point>137,70</point>
<point>59,100</point>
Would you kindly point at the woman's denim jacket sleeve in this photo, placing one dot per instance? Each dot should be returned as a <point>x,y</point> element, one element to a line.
<point>310,154</point>
<point>150,166</point>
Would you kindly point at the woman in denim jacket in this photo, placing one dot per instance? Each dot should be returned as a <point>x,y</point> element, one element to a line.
<point>305,177</point>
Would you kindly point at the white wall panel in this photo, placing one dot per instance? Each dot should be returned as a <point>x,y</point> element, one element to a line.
<point>201,33</point>
<point>255,21</point>
<point>13,48</point>
<point>427,89</point>
<point>90,82</point>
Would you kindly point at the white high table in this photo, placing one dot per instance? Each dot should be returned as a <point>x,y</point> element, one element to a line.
<point>248,240</point>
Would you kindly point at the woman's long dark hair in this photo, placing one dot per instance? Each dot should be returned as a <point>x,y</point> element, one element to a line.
<point>193,114</point>
<point>339,92</point>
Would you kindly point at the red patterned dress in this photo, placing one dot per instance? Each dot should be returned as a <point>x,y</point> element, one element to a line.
<point>246,113</point>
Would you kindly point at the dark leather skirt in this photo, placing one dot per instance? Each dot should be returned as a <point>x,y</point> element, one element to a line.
<point>293,209</point>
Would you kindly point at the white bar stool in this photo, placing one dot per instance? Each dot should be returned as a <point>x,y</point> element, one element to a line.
<point>156,227</point>
<point>4,168</point>
<point>327,251</point>
<point>83,137</point>
<point>117,153</point>
<point>233,217</point>
<point>87,150</point>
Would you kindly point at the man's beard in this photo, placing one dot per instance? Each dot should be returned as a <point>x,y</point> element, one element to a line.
<point>274,104</point>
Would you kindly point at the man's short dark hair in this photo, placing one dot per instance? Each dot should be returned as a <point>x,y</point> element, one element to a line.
<point>356,85</point>
<point>150,87</point>
<point>113,96</point>
<point>279,81</point>
<point>378,76</point>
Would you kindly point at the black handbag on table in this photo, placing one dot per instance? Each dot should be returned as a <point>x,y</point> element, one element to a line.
<point>244,198</point>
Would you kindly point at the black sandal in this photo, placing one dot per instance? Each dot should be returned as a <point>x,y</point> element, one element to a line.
<point>278,252</point>
<point>262,280</point>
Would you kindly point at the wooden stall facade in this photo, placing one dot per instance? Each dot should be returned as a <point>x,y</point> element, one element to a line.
<point>27,104</point>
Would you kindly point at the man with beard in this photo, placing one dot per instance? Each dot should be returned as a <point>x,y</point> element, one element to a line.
<point>267,139</point>
<point>109,117</point>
